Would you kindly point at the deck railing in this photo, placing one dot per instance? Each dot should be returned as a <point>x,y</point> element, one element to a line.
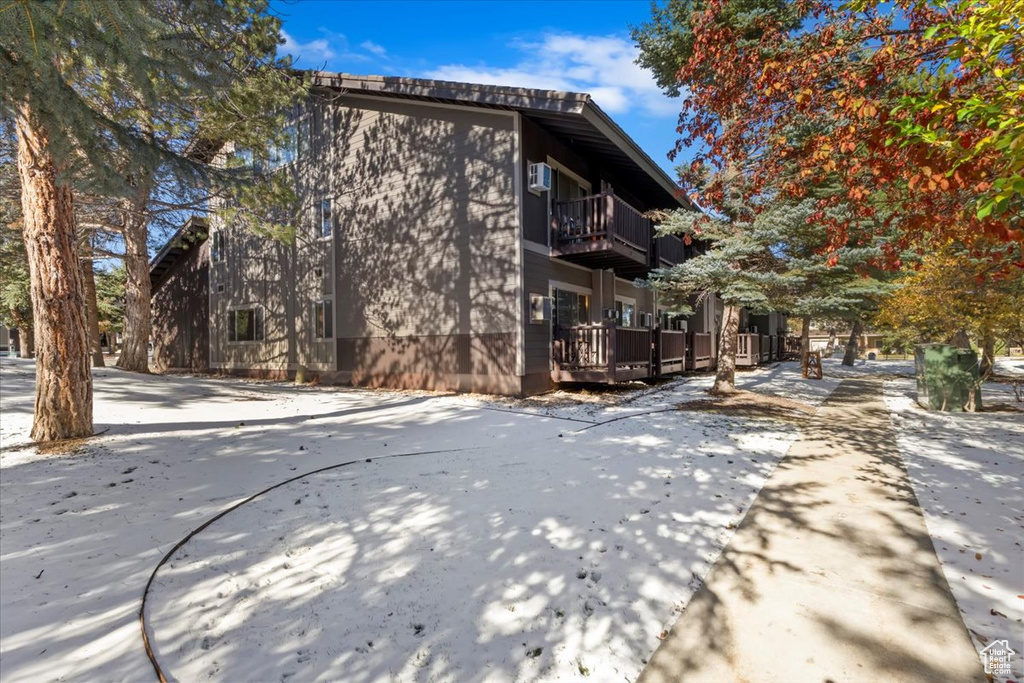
<point>748,349</point>
<point>766,349</point>
<point>601,217</point>
<point>789,346</point>
<point>670,351</point>
<point>671,345</point>
<point>698,351</point>
<point>581,347</point>
<point>602,353</point>
<point>670,251</point>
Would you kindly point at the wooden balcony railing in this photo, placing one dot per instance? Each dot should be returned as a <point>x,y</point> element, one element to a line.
<point>789,346</point>
<point>583,225</point>
<point>698,351</point>
<point>766,348</point>
<point>601,353</point>
<point>670,351</point>
<point>748,351</point>
<point>669,251</point>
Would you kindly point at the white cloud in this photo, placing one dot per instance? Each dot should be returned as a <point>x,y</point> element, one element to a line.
<point>604,66</point>
<point>373,47</point>
<point>313,53</point>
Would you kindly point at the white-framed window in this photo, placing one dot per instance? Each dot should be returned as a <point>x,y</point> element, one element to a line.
<point>323,319</point>
<point>324,218</point>
<point>625,313</point>
<point>570,307</point>
<point>245,324</point>
<point>217,242</point>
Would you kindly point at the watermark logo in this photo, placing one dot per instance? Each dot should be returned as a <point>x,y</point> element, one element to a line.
<point>996,658</point>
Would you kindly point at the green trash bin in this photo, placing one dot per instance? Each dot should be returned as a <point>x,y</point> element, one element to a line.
<point>947,378</point>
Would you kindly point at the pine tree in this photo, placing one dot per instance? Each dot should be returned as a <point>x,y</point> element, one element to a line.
<point>740,265</point>
<point>105,96</point>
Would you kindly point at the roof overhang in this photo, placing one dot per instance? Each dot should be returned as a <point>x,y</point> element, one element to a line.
<point>188,236</point>
<point>574,117</point>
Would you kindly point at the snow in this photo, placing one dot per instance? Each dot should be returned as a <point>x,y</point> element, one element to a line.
<point>967,470</point>
<point>469,539</point>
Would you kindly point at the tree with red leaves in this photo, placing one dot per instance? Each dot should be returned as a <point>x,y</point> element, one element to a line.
<point>804,94</point>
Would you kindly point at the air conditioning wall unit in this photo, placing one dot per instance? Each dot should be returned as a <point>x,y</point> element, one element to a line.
<point>540,308</point>
<point>540,177</point>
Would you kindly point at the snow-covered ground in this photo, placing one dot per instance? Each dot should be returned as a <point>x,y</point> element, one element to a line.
<point>516,541</point>
<point>967,471</point>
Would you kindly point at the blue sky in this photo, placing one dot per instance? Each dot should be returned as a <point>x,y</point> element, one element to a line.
<point>578,46</point>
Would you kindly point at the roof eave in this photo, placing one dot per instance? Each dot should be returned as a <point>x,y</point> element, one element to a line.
<point>608,127</point>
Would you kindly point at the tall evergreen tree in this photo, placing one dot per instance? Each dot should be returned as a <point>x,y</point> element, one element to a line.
<point>741,265</point>
<point>104,96</point>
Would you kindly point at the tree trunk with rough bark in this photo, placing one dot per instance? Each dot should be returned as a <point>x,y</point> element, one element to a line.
<point>853,344</point>
<point>92,309</point>
<point>832,342</point>
<point>63,407</point>
<point>26,341</point>
<point>725,376</point>
<point>805,339</point>
<point>960,339</point>
<point>137,291</point>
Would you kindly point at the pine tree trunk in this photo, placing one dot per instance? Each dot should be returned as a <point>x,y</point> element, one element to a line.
<point>92,310</point>
<point>63,407</point>
<point>852,345</point>
<point>805,339</point>
<point>26,341</point>
<point>137,292</point>
<point>725,376</point>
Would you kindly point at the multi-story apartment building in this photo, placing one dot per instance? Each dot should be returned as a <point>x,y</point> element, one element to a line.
<point>456,236</point>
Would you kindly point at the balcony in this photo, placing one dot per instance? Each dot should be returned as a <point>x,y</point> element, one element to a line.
<point>602,231</point>
<point>668,251</point>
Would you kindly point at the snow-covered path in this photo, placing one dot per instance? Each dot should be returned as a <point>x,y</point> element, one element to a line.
<point>521,546</point>
<point>967,471</point>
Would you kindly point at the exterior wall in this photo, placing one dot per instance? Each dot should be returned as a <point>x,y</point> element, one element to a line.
<point>427,245</point>
<point>422,263</point>
<point>540,271</point>
<point>180,339</point>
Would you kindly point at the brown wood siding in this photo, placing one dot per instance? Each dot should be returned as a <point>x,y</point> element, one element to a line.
<point>538,272</point>
<point>427,239</point>
<point>439,362</point>
<point>181,338</point>
<point>424,244</point>
<point>537,146</point>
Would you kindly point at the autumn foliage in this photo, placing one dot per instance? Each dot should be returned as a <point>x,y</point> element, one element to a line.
<point>883,104</point>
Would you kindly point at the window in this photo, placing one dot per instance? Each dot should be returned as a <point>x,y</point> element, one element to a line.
<point>245,324</point>
<point>324,218</point>
<point>625,313</point>
<point>571,308</point>
<point>323,320</point>
<point>217,247</point>
<point>285,153</point>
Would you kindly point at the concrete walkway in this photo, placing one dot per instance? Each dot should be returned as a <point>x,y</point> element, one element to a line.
<point>831,576</point>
